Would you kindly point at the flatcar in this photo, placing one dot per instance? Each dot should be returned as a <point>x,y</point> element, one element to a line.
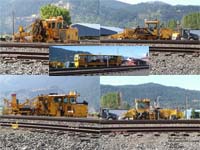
<point>90,60</point>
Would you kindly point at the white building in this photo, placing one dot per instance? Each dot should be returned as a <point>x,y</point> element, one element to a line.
<point>188,113</point>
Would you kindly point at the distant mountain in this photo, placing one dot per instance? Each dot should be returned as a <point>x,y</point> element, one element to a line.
<point>63,55</point>
<point>31,86</point>
<point>127,15</point>
<point>104,12</point>
<point>86,11</point>
<point>170,96</point>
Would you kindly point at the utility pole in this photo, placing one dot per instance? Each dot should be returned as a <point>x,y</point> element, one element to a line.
<point>186,103</point>
<point>13,22</point>
<point>119,96</point>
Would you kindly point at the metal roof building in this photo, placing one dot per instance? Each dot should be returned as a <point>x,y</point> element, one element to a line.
<point>87,29</point>
<point>105,30</point>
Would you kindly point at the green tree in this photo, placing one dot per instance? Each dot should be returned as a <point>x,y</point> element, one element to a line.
<point>191,21</point>
<point>110,100</point>
<point>172,24</point>
<point>193,113</point>
<point>48,11</point>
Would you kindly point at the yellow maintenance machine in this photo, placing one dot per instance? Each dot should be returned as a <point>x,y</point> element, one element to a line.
<point>16,108</point>
<point>151,31</point>
<point>143,110</point>
<point>90,60</point>
<point>47,30</point>
<point>56,64</point>
<point>61,105</point>
<point>49,105</point>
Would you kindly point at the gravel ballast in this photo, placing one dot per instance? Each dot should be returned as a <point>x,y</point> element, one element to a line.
<point>174,63</point>
<point>24,139</point>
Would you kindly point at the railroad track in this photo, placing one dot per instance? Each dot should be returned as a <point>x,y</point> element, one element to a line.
<point>182,49</point>
<point>154,46</point>
<point>98,121</point>
<point>127,41</point>
<point>91,71</point>
<point>47,45</point>
<point>103,130</point>
<point>99,42</point>
<point>170,125</point>
<point>25,55</point>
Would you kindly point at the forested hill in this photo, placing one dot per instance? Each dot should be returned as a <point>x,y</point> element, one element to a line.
<point>105,12</point>
<point>127,15</point>
<point>63,55</point>
<point>169,96</point>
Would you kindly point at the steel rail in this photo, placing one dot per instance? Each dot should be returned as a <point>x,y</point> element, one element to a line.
<point>129,41</point>
<point>98,121</point>
<point>95,70</point>
<point>97,130</point>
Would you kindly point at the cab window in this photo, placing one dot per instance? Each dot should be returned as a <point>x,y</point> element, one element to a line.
<point>57,99</point>
<point>59,25</point>
<point>72,100</point>
<point>53,25</point>
<point>65,100</point>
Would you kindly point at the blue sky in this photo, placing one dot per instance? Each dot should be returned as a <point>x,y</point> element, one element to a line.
<point>172,2</point>
<point>16,82</point>
<point>131,51</point>
<point>191,82</point>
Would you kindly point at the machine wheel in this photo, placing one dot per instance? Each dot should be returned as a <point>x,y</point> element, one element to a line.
<point>39,38</point>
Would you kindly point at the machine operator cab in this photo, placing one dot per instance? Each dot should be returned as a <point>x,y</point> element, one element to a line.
<point>105,114</point>
<point>142,108</point>
<point>142,105</point>
<point>153,26</point>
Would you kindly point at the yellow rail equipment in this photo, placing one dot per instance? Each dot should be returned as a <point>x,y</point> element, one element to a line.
<point>90,60</point>
<point>47,30</point>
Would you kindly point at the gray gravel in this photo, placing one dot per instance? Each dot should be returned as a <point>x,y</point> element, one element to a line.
<point>12,65</point>
<point>30,67</point>
<point>174,63</point>
<point>41,140</point>
<point>150,141</point>
<point>57,140</point>
<point>142,72</point>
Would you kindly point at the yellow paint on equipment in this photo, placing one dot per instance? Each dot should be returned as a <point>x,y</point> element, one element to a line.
<point>90,60</point>
<point>15,125</point>
<point>47,30</point>
<point>151,31</point>
<point>56,64</point>
<point>143,110</point>
<point>49,105</point>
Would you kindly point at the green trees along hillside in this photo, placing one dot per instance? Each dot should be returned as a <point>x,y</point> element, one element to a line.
<point>172,24</point>
<point>48,11</point>
<point>191,21</point>
<point>113,100</point>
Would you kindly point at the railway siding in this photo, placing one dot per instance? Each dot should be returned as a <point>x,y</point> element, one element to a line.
<point>88,133</point>
<point>97,70</point>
